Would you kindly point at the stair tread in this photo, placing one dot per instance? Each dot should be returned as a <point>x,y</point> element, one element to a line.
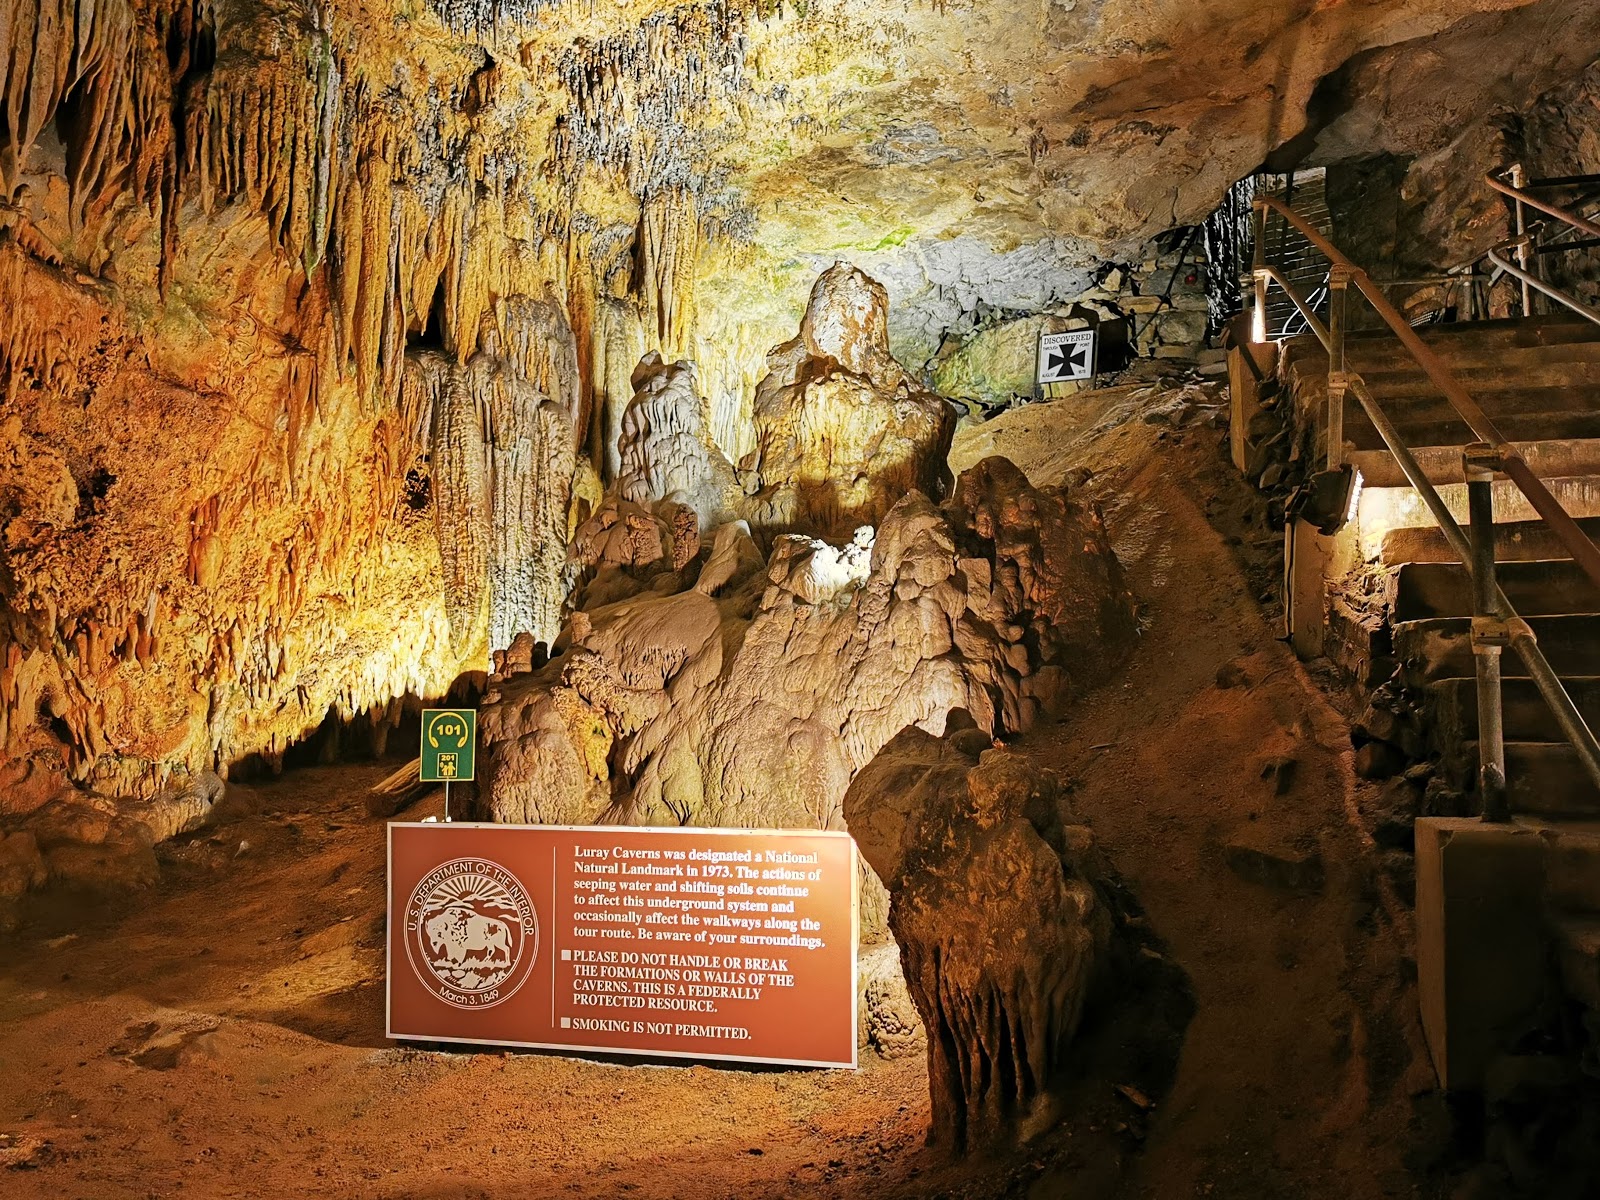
<point>1538,587</point>
<point>1515,541</point>
<point>1573,459</point>
<point>1435,648</point>
<point>1529,330</point>
<point>1544,777</point>
<point>1393,356</point>
<point>1454,433</point>
<point>1430,406</point>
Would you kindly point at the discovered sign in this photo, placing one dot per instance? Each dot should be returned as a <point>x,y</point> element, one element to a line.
<point>449,736</point>
<point>1064,357</point>
<point>686,943</point>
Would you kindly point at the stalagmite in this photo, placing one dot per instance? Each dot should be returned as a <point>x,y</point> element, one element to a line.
<point>1003,924</point>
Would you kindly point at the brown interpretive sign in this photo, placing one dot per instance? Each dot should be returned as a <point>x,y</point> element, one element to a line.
<point>733,944</point>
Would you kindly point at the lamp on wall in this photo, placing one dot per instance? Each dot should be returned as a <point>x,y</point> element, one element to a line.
<point>1328,499</point>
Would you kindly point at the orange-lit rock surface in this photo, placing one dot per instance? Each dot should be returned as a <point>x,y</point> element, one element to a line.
<point>318,322</point>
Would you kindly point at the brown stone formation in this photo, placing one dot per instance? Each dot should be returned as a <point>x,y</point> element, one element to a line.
<point>666,451</point>
<point>998,903</point>
<point>841,428</point>
<point>755,695</point>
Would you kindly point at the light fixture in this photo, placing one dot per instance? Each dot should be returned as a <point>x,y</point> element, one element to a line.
<point>1327,499</point>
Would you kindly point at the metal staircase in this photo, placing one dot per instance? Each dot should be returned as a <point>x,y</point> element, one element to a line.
<point>1461,484</point>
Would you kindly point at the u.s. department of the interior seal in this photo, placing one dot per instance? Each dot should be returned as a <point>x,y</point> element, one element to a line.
<point>471,933</point>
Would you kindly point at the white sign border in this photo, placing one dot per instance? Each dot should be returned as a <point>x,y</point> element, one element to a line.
<point>1093,335</point>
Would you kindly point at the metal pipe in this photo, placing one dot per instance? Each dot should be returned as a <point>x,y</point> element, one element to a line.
<point>1544,206</point>
<point>1258,262</point>
<point>1414,473</point>
<point>1555,293</point>
<point>1584,552</point>
<point>1488,632</point>
<point>1559,181</point>
<point>1522,240</point>
<point>1300,302</point>
<point>1338,297</point>
<point>1518,632</point>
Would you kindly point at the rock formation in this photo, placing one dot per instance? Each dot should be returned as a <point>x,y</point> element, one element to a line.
<point>997,902</point>
<point>841,428</point>
<point>665,448</point>
<point>755,695</point>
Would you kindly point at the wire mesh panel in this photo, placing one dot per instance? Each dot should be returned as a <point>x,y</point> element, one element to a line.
<point>1230,249</point>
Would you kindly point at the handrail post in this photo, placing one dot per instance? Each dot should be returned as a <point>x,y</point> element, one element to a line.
<point>1525,255</point>
<point>1258,264</point>
<point>1489,635</point>
<point>1338,378</point>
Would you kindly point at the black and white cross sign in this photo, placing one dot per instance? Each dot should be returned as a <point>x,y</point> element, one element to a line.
<point>1066,356</point>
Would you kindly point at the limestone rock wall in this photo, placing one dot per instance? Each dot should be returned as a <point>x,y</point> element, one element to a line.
<point>228,226</point>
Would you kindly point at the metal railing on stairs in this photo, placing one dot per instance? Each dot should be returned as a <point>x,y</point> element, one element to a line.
<point>1495,623</point>
<point>1525,194</point>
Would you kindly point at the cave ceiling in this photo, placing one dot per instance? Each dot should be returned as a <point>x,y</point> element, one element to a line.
<point>306,308</point>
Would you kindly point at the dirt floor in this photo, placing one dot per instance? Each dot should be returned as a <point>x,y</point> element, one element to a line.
<point>222,1035</point>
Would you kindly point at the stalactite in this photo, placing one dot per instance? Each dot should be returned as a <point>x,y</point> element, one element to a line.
<point>619,343</point>
<point>531,466</point>
<point>666,250</point>
<point>544,352</point>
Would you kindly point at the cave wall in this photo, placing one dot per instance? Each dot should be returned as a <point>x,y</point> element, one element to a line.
<point>302,304</point>
<point>1409,130</point>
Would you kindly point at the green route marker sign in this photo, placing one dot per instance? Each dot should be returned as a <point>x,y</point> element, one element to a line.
<point>449,739</point>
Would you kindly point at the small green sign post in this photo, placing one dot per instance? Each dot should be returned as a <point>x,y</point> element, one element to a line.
<point>449,743</point>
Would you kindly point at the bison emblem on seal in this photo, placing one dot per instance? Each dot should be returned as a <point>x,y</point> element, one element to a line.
<point>471,933</point>
<point>459,934</point>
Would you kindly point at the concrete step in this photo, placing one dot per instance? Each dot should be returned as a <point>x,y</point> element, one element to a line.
<point>1561,458</point>
<point>1383,510</point>
<point>1577,939</point>
<point>1535,589</point>
<point>1574,367</point>
<point>1572,862</point>
<point>1440,647</point>
<point>1407,405</point>
<point>1476,366</point>
<point>1452,432</point>
<point>1465,342</point>
<point>1453,708</point>
<point>1544,778</point>
<point>1514,541</point>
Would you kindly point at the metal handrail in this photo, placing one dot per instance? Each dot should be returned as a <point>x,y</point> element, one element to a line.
<point>1495,622</point>
<point>1584,552</point>
<point>1525,243</point>
<point>1531,280</point>
<point>1519,193</point>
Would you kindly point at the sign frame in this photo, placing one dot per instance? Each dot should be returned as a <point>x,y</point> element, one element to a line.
<point>469,717</point>
<point>575,1048</point>
<point>1088,338</point>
